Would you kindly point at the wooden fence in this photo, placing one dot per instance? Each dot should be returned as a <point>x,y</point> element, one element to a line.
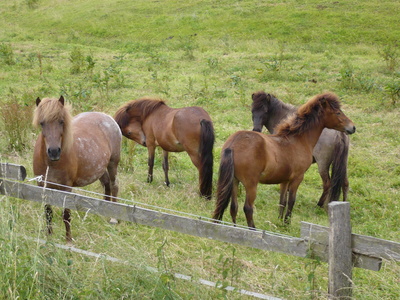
<point>335,244</point>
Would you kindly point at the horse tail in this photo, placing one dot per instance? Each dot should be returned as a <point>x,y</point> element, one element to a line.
<point>225,183</point>
<point>207,139</point>
<point>339,167</point>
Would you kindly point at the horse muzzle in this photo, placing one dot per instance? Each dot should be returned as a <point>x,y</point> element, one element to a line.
<point>350,129</point>
<point>54,153</point>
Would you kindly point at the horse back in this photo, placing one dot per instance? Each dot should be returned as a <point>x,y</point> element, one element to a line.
<point>177,129</point>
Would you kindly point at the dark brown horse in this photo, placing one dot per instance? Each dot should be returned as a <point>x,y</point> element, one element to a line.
<point>151,123</point>
<point>331,150</point>
<point>74,152</point>
<point>251,157</point>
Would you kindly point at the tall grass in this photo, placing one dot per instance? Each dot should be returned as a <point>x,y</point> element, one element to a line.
<point>100,54</point>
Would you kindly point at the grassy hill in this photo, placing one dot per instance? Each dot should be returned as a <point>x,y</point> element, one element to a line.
<point>215,54</point>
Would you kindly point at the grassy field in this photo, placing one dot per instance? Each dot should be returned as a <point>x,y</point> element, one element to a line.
<point>100,54</point>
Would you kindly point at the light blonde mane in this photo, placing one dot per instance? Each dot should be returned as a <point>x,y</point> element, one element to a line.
<point>50,110</point>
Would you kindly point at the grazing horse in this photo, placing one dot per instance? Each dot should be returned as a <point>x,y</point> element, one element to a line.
<point>74,152</point>
<point>151,123</point>
<point>251,157</point>
<point>332,148</point>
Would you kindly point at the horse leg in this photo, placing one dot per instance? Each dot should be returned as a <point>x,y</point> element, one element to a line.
<point>112,173</point>
<point>283,198</point>
<point>326,183</point>
<point>67,223</point>
<point>49,218</point>
<point>345,188</point>
<point>165,166</point>
<point>294,185</point>
<point>251,193</point>
<point>150,162</point>
<point>107,181</point>
<point>234,201</point>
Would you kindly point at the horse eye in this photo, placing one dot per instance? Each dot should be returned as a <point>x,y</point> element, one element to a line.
<point>61,122</point>
<point>41,124</point>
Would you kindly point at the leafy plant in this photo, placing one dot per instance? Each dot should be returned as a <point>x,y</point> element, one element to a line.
<point>16,119</point>
<point>393,89</point>
<point>390,54</point>
<point>6,54</point>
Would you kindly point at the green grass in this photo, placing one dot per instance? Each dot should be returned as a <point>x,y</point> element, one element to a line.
<point>215,54</point>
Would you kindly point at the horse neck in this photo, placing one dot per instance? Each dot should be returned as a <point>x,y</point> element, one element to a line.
<point>310,137</point>
<point>277,115</point>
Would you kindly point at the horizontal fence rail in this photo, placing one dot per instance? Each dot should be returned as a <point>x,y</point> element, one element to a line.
<point>312,244</point>
<point>361,244</point>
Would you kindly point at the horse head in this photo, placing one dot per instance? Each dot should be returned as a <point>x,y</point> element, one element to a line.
<point>130,122</point>
<point>54,119</point>
<point>259,109</point>
<point>334,116</point>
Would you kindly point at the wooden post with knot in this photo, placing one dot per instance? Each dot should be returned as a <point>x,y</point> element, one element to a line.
<point>340,251</point>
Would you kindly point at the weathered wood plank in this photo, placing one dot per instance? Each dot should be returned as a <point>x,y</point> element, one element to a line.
<point>12,171</point>
<point>361,244</point>
<point>301,247</point>
<point>340,254</point>
<point>201,228</point>
<point>317,235</point>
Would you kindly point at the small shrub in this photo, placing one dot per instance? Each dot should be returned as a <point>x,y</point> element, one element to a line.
<point>393,89</point>
<point>6,54</point>
<point>188,45</point>
<point>16,119</point>
<point>77,60</point>
<point>347,77</point>
<point>390,55</point>
<point>32,3</point>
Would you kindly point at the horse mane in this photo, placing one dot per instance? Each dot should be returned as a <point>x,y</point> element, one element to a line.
<point>261,98</point>
<point>307,115</point>
<point>139,109</point>
<point>50,110</point>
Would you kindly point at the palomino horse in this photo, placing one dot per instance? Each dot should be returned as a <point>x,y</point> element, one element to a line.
<point>75,152</point>
<point>332,148</point>
<point>151,123</point>
<point>251,157</point>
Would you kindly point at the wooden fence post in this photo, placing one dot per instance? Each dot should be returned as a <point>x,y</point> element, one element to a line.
<point>340,252</point>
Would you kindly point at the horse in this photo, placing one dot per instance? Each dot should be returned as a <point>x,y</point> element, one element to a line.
<point>250,157</point>
<point>75,152</point>
<point>331,150</point>
<point>151,123</point>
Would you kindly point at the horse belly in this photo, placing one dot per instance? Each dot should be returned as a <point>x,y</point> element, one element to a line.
<point>93,160</point>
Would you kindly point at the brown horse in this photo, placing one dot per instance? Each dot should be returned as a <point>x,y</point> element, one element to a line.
<point>151,123</point>
<point>332,148</point>
<point>74,152</point>
<point>251,157</point>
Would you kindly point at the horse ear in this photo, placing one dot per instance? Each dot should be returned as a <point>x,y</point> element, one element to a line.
<point>269,97</point>
<point>323,101</point>
<point>61,100</point>
<point>37,101</point>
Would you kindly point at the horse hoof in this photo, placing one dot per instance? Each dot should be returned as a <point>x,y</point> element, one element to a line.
<point>113,221</point>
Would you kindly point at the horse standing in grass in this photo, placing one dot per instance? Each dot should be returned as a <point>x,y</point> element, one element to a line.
<point>151,123</point>
<point>251,157</point>
<point>74,152</point>
<point>331,150</point>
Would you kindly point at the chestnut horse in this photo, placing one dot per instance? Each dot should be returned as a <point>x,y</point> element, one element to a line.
<point>251,157</point>
<point>74,152</point>
<point>331,150</point>
<point>151,123</point>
